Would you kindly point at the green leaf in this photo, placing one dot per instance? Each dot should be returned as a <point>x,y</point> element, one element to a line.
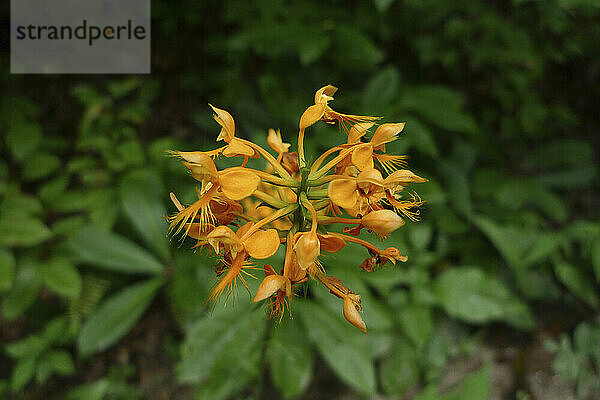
<point>475,386</point>
<point>569,178</point>
<point>469,294</point>
<point>457,186</point>
<point>207,355</point>
<point>123,87</point>
<point>595,259</point>
<point>208,345</point>
<point>312,46</point>
<point>290,359</point>
<point>354,49</point>
<point>53,188</point>
<point>40,165</point>
<point>113,252</point>
<point>399,371</point>
<point>141,196</point>
<point>561,153</point>
<point>29,347</point>
<point>61,362</point>
<point>381,89</point>
<point>417,323</point>
<point>343,347</point>
<point>43,370</point>
<point>61,276</point>
<point>23,293</point>
<point>577,282</point>
<point>22,373</point>
<point>18,230</point>
<point>7,269</point>
<point>17,203</point>
<point>520,248</point>
<point>439,106</point>
<point>382,5</point>
<point>55,330</point>
<point>116,316</point>
<point>23,138</point>
<point>90,391</point>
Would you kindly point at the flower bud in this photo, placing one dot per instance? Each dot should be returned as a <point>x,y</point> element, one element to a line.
<point>382,222</point>
<point>268,287</point>
<point>307,248</point>
<point>351,307</point>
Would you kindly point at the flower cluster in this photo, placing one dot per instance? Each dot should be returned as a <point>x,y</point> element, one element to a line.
<point>246,214</point>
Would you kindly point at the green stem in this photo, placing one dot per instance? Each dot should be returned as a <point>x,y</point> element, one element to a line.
<point>270,200</point>
<point>317,194</point>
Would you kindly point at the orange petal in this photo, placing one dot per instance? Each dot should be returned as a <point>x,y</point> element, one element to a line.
<point>325,94</point>
<point>362,156</point>
<point>343,192</point>
<point>357,131</point>
<point>203,168</point>
<point>199,231</point>
<point>224,119</point>
<point>276,143</point>
<point>386,133</point>
<point>402,177</point>
<point>238,148</point>
<point>222,235</point>
<point>239,183</point>
<point>331,244</point>
<point>312,115</point>
<point>369,180</point>
<point>268,287</point>
<point>262,244</point>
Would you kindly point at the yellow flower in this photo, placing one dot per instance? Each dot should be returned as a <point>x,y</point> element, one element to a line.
<point>245,214</point>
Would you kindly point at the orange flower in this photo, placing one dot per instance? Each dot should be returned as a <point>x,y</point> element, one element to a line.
<point>276,143</point>
<point>260,244</point>
<point>235,147</point>
<point>245,214</point>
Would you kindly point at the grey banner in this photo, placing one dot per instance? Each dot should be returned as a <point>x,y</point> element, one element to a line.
<point>80,36</point>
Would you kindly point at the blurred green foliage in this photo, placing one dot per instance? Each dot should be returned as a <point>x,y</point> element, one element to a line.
<point>500,100</point>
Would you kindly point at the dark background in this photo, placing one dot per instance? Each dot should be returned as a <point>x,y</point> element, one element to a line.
<point>499,298</point>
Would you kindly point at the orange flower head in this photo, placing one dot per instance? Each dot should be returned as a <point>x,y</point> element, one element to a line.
<point>246,214</point>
